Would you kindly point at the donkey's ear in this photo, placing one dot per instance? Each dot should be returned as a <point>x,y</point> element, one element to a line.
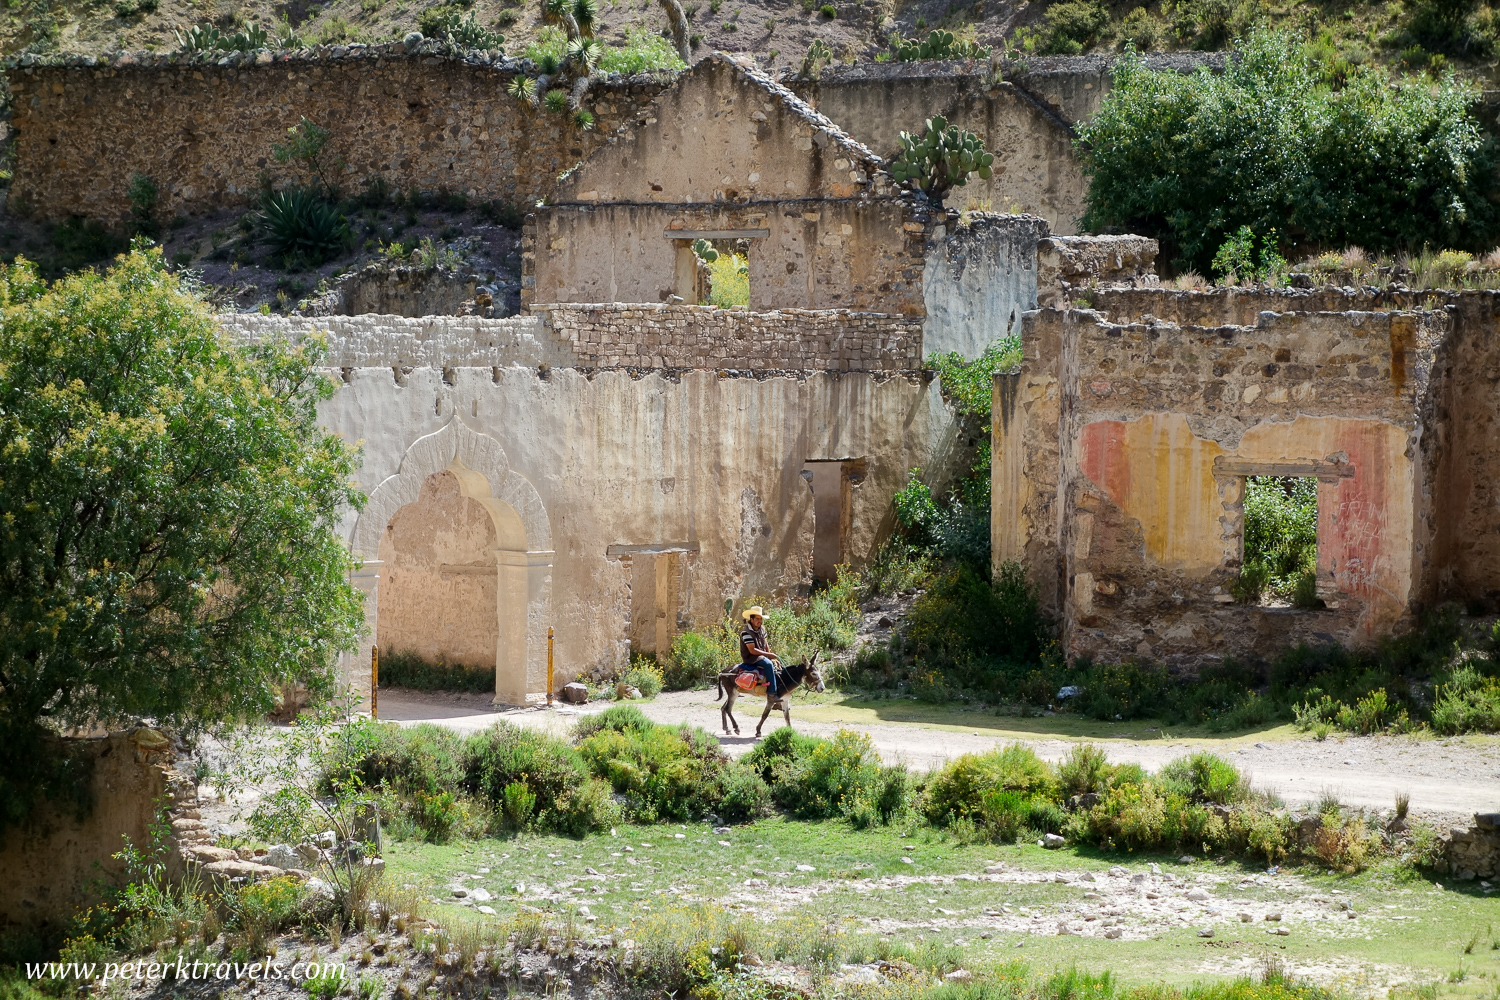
<point>814,661</point>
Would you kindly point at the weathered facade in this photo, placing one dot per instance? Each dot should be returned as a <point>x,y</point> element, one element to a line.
<point>1123,445</point>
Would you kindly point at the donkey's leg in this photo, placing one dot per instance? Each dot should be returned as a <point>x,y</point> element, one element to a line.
<point>729,710</point>
<point>764,715</point>
<point>786,711</point>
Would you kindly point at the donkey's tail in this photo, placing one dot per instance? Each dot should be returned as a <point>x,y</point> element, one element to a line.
<point>719,687</point>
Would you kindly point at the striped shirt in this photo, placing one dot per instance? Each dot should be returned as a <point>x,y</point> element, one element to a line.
<point>752,639</point>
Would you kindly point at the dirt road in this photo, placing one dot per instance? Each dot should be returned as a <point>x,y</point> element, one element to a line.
<point>1448,780</point>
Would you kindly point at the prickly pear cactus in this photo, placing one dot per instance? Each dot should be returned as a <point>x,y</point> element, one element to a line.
<point>938,45</point>
<point>940,159</point>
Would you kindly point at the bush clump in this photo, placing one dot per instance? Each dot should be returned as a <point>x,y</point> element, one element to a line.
<point>1191,158</point>
<point>567,798</point>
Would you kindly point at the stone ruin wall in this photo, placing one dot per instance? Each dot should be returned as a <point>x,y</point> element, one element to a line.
<point>1460,506</point>
<point>203,128</point>
<point>815,254</point>
<point>1122,447</point>
<point>684,336</point>
<point>50,862</point>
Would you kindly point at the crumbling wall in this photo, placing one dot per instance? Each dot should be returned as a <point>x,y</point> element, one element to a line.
<point>1035,171</point>
<point>203,126</point>
<point>681,336</point>
<point>1072,265</point>
<point>703,462</point>
<point>413,342</point>
<point>400,291</point>
<point>1473,851</point>
<point>807,254</point>
<point>978,280</point>
<point>1159,426</point>
<point>730,156</point>
<point>51,860</point>
<point>1465,505</point>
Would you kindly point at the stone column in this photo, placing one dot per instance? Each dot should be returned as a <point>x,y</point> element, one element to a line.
<point>354,667</point>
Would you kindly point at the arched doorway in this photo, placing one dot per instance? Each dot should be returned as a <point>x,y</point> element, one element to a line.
<point>457,559</point>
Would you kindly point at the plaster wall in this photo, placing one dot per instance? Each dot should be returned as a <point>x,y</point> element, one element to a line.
<point>50,861</point>
<point>439,579</point>
<point>705,464</point>
<point>1157,426</point>
<point>978,281</point>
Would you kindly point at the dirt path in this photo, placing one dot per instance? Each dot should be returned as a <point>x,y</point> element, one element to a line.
<point>1448,780</point>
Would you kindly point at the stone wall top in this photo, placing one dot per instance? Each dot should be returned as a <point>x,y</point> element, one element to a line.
<point>683,336</point>
<point>400,342</point>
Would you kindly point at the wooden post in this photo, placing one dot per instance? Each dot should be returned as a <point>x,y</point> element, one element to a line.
<point>549,664</point>
<point>374,682</point>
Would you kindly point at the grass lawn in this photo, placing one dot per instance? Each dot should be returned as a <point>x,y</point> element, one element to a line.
<point>929,892</point>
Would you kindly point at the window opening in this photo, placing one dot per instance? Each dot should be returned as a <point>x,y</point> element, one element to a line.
<point>1280,558</point>
<point>724,269</point>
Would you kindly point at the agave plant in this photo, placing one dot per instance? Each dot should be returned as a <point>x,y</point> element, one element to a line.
<point>940,159</point>
<point>298,224</point>
<point>548,64</point>
<point>556,101</point>
<point>583,120</point>
<point>586,12</point>
<point>522,88</point>
<point>584,51</point>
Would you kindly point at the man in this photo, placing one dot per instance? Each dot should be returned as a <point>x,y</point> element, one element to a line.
<point>755,650</point>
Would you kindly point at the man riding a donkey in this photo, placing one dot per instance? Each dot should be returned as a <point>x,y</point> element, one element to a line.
<point>761,672</point>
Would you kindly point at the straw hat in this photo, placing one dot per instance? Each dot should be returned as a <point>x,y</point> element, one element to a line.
<point>757,610</point>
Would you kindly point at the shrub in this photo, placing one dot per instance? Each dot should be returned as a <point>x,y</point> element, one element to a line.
<point>568,800</point>
<point>785,746</point>
<point>620,718</point>
<point>1467,702</point>
<point>644,51</point>
<point>79,243</point>
<point>399,668</point>
<point>835,778</point>
<point>746,796</point>
<point>425,757</point>
<point>1122,690</point>
<point>1205,777</point>
<point>1074,25</point>
<point>1085,769</point>
<point>300,226</point>
<point>1343,844</point>
<point>260,910</point>
<point>968,628</point>
<point>662,773</point>
<point>1192,158</point>
<point>958,790</point>
<point>1368,715</point>
<point>644,675</point>
<point>696,659</point>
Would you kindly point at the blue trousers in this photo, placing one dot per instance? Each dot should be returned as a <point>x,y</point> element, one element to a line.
<point>767,669</point>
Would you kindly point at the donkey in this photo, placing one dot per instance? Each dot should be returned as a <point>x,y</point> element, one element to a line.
<point>791,678</point>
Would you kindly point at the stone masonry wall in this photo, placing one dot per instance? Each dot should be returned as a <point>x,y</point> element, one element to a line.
<point>203,127</point>
<point>1474,851</point>
<point>407,343</point>
<point>684,336</point>
<point>1159,424</point>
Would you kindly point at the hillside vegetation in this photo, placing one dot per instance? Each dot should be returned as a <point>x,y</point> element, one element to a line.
<point>1410,35</point>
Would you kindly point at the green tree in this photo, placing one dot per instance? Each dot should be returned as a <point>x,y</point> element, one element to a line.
<point>167,506</point>
<point>1272,144</point>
